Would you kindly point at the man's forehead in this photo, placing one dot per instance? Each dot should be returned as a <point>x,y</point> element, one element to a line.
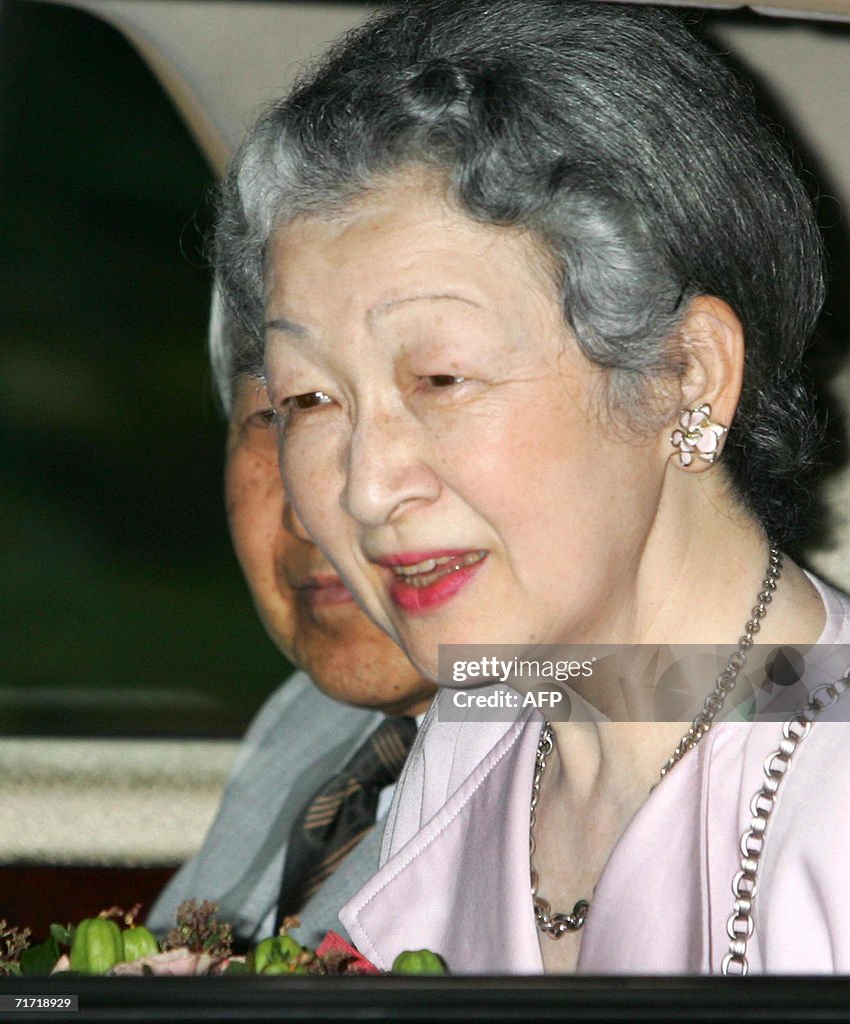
<point>249,388</point>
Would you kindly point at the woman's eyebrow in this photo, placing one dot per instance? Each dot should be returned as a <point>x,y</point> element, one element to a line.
<point>389,305</point>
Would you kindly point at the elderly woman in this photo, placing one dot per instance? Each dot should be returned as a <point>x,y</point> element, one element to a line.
<point>533,282</point>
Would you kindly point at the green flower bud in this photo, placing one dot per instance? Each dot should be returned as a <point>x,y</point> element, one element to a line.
<point>97,946</point>
<point>138,942</point>
<point>279,949</point>
<point>263,953</point>
<point>419,961</point>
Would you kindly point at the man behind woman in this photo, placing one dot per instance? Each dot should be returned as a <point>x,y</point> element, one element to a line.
<point>351,677</point>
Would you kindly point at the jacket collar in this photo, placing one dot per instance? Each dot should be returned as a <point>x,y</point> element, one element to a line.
<point>450,848</point>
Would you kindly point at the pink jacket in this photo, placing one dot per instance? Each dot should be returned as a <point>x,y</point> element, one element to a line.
<point>455,867</point>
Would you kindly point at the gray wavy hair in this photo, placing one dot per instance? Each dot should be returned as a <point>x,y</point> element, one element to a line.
<point>633,153</point>
<point>232,353</point>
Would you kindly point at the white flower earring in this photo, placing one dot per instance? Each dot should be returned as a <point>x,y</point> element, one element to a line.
<point>696,435</point>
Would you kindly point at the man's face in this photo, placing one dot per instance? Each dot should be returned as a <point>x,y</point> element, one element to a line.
<point>304,607</point>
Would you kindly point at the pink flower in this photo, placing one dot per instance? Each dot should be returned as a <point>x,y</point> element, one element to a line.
<point>174,963</point>
<point>62,964</point>
<point>697,434</point>
<point>179,962</point>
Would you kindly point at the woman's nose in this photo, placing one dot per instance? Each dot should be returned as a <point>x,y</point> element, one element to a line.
<point>386,474</point>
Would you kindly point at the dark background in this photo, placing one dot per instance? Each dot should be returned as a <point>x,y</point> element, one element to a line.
<point>122,610</point>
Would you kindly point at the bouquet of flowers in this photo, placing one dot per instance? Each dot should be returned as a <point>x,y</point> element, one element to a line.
<point>199,944</point>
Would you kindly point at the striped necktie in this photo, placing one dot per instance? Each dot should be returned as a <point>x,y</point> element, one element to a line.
<point>341,812</point>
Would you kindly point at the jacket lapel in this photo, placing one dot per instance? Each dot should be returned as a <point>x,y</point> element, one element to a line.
<point>447,859</point>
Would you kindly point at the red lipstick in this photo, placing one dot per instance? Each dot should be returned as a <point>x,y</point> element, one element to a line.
<point>421,581</point>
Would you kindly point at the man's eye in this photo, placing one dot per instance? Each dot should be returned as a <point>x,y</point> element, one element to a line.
<point>263,418</point>
<point>443,380</point>
<point>309,400</point>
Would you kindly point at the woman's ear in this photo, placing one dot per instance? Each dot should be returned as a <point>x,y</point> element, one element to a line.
<point>712,355</point>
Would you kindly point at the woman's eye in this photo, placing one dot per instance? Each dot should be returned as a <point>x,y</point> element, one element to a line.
<point>443,380</point>
<point>296,404</point>
<point>309,400</point>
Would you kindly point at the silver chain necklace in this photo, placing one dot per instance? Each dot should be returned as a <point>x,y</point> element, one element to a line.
<point>555,924</point>
<point>795,729</point>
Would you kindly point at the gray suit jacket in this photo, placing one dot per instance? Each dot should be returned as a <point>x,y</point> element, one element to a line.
<point>299,739</point>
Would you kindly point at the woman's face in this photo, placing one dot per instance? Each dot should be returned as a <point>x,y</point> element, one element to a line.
<point>441,436</point>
